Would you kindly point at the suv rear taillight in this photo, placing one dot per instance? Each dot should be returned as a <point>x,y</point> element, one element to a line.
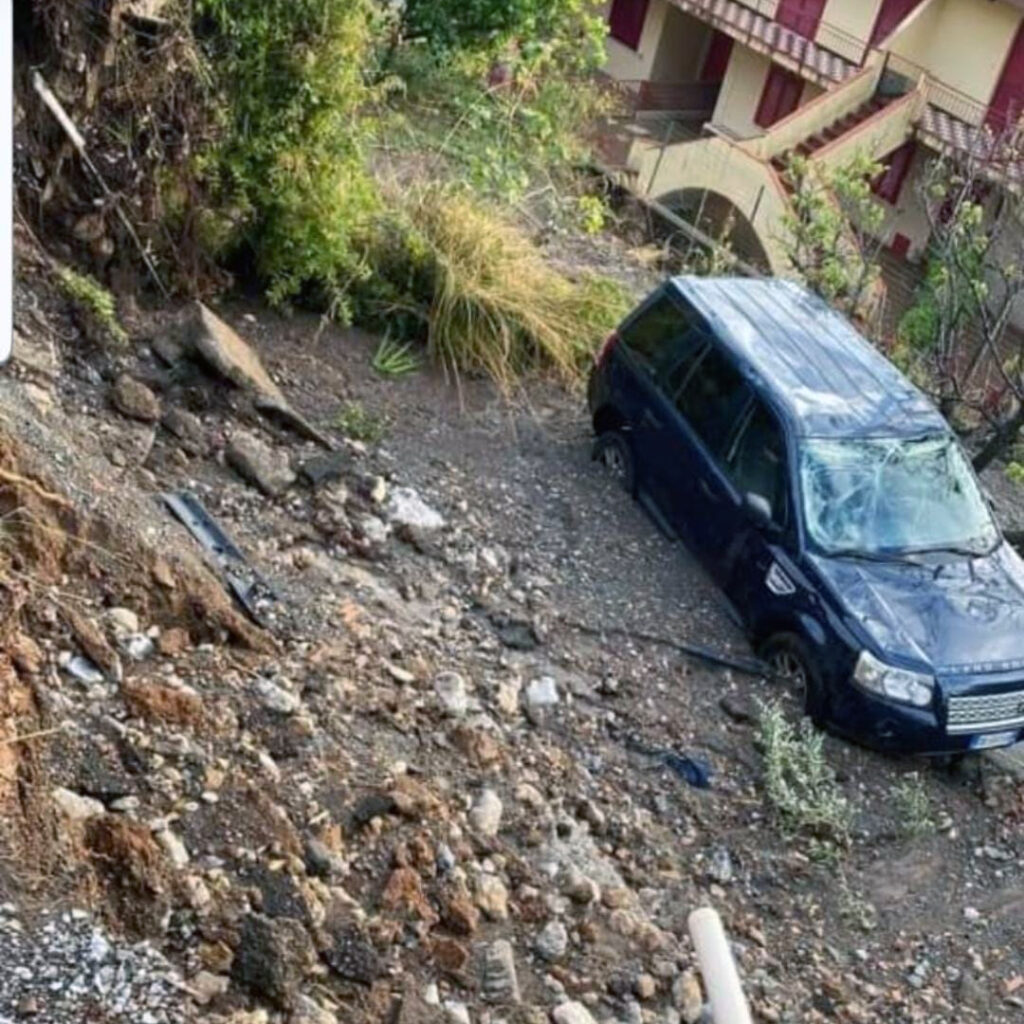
<point>606,348</point>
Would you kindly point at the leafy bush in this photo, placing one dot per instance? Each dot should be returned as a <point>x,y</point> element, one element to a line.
<point>359,424</point>
<point>290,163</point>
<point>493,304</point>
<point>801,784</point>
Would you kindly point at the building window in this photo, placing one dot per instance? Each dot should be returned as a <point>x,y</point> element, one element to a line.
<point>889,183</point>
<point>781,96</point>
<point>626,21</point>
<point>717,59</point>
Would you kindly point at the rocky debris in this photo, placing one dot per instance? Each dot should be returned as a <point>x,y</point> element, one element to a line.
<point>492,897</point>
<point>94,644</point>
<point>228,354</point>
<point>276,698</point>
<point>552,942</point>
<point>405,508</point>
<point>688,998</point>
<point>133,399</point>
<point>450,688</point>
<point>172,845</point>
<point>75,806</point>
<point>64,965</point>
<point>485,814</point>
<point>260,465</point>
<point>350,955</point>
<point>499,982</point>
<point>187,428</point>
<point>572,1013</point>
<point>272,958</point>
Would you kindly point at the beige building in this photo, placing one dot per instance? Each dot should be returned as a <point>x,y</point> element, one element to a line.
<point>724,90</point>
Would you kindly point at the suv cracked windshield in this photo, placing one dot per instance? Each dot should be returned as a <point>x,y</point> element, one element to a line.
<point>893,496</point>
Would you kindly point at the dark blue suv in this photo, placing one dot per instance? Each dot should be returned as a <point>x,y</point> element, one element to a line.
<point>831,503</point>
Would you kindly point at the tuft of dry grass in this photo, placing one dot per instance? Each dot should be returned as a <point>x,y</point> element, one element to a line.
<point>495,305</point>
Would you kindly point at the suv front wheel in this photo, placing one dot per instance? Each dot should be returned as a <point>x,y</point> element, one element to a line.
<point>791,662</point>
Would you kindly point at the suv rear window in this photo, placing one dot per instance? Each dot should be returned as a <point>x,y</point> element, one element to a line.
<point>655,336</point>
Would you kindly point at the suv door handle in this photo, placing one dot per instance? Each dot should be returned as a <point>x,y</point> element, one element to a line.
<point>650,420</point>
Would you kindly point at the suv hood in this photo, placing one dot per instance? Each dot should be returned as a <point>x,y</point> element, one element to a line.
<point>958,615</point>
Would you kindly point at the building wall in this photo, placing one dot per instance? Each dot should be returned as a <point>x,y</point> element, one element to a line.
<point>741,91</point>
<point>681,49</point>
<point>907,215</point>
<point>846,24</point>
<point>961,43</point>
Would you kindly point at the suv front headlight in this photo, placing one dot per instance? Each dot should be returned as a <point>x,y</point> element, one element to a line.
<point>897,684</point>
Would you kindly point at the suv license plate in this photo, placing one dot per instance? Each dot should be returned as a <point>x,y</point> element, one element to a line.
<point>993,739</point>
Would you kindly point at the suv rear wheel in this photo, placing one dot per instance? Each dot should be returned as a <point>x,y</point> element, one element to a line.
<point>791,660</point>
<point>615,453</point>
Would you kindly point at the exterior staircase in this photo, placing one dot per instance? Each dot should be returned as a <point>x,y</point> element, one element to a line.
<point>852,117</point>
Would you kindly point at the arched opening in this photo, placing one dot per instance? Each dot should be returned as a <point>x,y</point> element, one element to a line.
<point>715,216</point>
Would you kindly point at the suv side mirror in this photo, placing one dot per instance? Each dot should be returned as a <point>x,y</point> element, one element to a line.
<point>760,511</point>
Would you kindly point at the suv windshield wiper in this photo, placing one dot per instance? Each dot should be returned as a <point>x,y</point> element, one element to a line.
<point>872,556</point>
<point>956,549</point>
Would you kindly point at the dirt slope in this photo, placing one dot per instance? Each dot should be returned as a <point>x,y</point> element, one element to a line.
<point>419,795</point>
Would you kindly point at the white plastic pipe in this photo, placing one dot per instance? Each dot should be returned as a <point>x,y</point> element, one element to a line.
<point>6,182</point>
<point>717,967</point>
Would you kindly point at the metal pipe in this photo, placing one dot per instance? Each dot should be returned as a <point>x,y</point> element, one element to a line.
<point>718,969</point>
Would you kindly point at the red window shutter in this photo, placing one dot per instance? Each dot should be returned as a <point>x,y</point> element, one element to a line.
<point>802,16</point>
<point>717,59</point>
<point>889,183</point>
<point>890,14</point>
<point>1008,99</point>
<point>626,21</point>
<point>781,96</point>
<point>900,245</point>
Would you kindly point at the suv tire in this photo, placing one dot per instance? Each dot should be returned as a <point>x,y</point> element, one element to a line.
<point>790,657</point>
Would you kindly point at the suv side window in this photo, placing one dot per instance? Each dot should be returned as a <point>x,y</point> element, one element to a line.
<point>712,400</point>
<point>653,338</point>
<point>756,463</point>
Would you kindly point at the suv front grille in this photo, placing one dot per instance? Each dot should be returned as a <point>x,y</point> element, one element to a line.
<point>990,711</point>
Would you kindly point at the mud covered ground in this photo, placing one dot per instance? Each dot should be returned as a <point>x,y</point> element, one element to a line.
<point>434,788</point>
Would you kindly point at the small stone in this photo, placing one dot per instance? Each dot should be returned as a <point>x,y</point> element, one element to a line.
<point>206,986</point>
<point>352,956</point>
<point>720,869</point>
<point>449,954</point>
<point>572,1013</point>
<point>257,463</point>
<point>460,915</point>
<point>450,689</point>
<point>552,942</point>
<point>84,671</point>
<point>133,399</point>
<point>173,847</point>
<point>645,987</point>
<point>492,897</point>
<point>277,699</point>
<point>542,693</point>
<point>75,806</point>
<point>308,1011</point>
<point>485,815</point>
<point>581,889</point>
<point>687,996</point>
<point>506,697</point>
<point>272,958</point>
<point>499,982</point>
<point>456,1012</point>
<point>123,622</point>
<point>406,508</point>
<point>187,428</point>
<point>322,861</point>
<point>738,708</point>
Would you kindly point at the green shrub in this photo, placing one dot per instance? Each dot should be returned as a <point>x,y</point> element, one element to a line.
<point>92,300</point>
<point>291,163</point>
<point>913,806</point>
<point>359,424</point>
<point>801,785</point>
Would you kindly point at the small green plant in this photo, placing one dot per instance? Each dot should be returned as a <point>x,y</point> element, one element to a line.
<point>1015,472</point>
<point>93,300</point>
<point>593,214</point>
<point>854,908</point>
<point>801,785</point>
<point>395,359</point>
<point>359,424</point>
<point>913,806</point>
